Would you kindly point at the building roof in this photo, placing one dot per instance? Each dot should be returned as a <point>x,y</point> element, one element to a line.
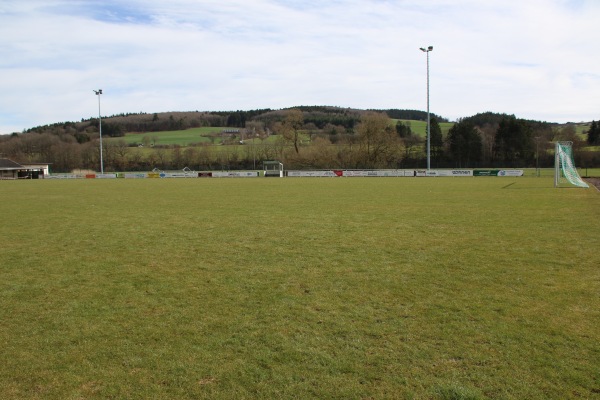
<point>35,163</point>
<point>7,164</point>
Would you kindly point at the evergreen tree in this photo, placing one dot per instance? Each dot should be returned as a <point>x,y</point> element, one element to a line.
<point>465,144</point>
<point>403,129</point>
<point>514,142</point>
<point>594,133</point>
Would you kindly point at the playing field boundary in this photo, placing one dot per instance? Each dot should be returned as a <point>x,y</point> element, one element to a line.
<point>293,173</point>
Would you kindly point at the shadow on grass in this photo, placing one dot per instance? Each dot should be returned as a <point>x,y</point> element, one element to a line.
<point>509,185</point>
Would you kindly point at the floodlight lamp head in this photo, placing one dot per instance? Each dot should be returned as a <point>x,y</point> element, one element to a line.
<point>428,49</point>
<point>98,92</point>
<point>423,49</point>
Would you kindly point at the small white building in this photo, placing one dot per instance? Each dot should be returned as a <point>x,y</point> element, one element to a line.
<point>13,170</point>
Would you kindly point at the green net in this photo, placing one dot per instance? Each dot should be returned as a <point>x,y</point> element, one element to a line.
<point>567,166</point>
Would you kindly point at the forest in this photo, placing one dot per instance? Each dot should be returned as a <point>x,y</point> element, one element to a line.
<point>315,137</point>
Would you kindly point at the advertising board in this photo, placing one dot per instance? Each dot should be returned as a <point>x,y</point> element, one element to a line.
<point>106,176</point>
<point>498,172</point>
<point>321,174</point>
<point>63,176</point>
<point>235,174</point>
<point>139,175</point>
<point>510,172</point>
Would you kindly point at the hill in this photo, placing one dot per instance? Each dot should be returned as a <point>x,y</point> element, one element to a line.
<point>320,116</point>
<point>327,137</point>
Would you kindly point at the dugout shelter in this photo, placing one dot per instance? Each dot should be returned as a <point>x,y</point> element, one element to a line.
<point>273,169</point>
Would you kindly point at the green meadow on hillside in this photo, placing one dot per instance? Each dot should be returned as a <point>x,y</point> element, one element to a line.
<point>180,137</point>
<point>212,135</point>
<point>341,288</point>
<point>420,127</point>
<point>203,135</point>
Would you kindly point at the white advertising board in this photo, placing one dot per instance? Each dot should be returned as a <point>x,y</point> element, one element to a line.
<point>455,172</point>
<point>63,176</point>
<point>311,174</point>
<point>510,172</point>
<point>178,175</point>
<point>378,173</point>
<point>235,174</point>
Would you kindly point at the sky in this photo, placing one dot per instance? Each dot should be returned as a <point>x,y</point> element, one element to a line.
<point>536,59</point>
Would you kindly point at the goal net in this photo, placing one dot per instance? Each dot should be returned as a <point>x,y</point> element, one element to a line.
<point>565,172</point>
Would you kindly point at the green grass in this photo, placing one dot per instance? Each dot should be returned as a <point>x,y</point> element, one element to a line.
<point>420,127</point>
<point>443,288</point>
<point>185,137</point>
<point>582,128</point>
<point>180,137</point>
<point>201,135</point>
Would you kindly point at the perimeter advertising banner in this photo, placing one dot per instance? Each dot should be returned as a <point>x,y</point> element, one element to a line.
<point>352,173</point>
<point>63,176</point>
<point>178,175</point>
<point>510,172</point>
<point>140,175</point>
<point>498,172</point>
<point>106,176</point>
<point>381,173</point>
<point>486,172</point>
<point>326,173</point>
<point>235,174</point>
<point>312,174</point>
<point>454,172</point>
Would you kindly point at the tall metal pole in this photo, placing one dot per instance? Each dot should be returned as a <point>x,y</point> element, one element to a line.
<point>537,156</point>
<point>428,120</point>
<point>98,93</point>
<point>427,50</point>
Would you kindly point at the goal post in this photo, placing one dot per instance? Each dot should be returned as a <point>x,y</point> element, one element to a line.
<point>565,173</point>
<point>273,169</point>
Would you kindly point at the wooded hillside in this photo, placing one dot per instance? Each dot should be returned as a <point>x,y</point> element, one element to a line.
<point>301,137</point>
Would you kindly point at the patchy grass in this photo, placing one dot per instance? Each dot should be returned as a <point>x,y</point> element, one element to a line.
<point>202,135</point>
<point>179,137</point>
<point>444,288</point>
<point>420,127</point>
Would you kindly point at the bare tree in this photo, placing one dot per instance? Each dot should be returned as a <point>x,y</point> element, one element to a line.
<point>292,126</point>
<point>378,141</point>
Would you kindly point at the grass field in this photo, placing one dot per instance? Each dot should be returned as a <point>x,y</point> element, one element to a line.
<point>201,135</point>
<point>372,288</point>
<point>181,137</point>
<point>420,127</point>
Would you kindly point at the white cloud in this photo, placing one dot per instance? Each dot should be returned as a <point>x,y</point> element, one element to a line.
<point>535,59</point>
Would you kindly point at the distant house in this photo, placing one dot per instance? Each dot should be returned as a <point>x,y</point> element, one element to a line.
<point>13,170</point>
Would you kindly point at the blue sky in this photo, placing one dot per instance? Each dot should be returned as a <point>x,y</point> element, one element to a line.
<point>536,59</point>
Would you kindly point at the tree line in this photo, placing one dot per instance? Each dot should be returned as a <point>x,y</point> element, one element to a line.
<point>304,137</point>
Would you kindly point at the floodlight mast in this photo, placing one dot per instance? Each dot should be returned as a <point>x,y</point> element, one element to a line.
<point>98,93</point>
<point>427,50</point>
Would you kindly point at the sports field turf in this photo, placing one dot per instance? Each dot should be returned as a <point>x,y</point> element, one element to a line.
<point>345,288</point>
